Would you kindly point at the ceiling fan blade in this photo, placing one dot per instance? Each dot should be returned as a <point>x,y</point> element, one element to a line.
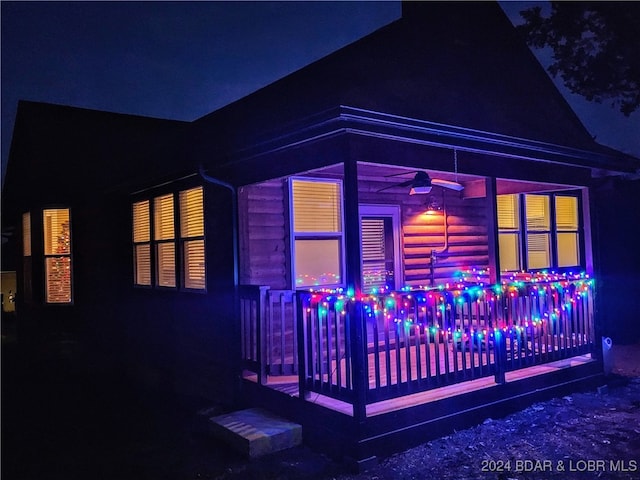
<point>400,174</point>
<point>447,184</point>
<point>396,185</point>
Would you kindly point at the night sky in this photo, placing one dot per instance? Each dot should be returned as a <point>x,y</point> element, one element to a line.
<point>182,60</point>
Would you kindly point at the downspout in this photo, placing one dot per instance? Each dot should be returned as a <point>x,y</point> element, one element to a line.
<point>235,249</point>
<point>234,219</point>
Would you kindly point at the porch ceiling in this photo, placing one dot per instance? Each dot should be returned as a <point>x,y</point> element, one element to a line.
<point>388,175</point>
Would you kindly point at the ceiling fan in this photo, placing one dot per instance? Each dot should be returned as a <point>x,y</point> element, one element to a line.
<point>422,183</point>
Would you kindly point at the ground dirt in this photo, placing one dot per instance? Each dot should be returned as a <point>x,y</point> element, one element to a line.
<point>60,421</point>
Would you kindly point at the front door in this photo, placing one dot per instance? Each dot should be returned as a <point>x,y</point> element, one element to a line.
<point>380,247</point>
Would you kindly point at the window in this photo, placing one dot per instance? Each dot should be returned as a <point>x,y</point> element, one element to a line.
<point>164,241</point>
<point>567,227</point>
<point>192,237</point>
<point>543,233</point>
<point>57,255</point>
<point>27,263</point>
<point>317,232</point>
<point>141,243</point>
<point>155,256</point>
<point>26,234</point>
<point>509,232</point>
<point>380,247</point>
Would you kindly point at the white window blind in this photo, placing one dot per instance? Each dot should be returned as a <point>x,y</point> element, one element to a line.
<point>142,266</point>
<point>537,212</point>
<point>538,250</point>
<point>192,238</point>
<point>166,264</point>
<point>57,251</point>
<point>26,234</point>
<point>141,222</point>
<point>163,234</point>
<point>141,242</point>
<point>316,206</point>
<point>163,219</point>
<point>191,213</point>
<point>508,212</point>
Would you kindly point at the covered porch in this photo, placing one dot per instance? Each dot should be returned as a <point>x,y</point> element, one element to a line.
<point>404,302</point>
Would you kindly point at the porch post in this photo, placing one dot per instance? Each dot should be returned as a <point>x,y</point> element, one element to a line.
<point>492,229</point>
<point>353,283</point>
<point>352,226</point>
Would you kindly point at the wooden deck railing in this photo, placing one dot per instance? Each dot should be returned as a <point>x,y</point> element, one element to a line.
<point>268,331</point>
<point>420,340</point>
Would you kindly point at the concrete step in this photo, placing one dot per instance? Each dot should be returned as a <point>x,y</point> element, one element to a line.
<point>255,432</point>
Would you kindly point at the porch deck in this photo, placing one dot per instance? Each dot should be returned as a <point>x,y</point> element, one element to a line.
<point>289,386</point>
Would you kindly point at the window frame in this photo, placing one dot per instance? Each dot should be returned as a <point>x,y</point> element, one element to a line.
<point>184,240</point>
<point>553,231</point>
<point>177,240</point>
<point>157,243</point>
<point>294,235</point>
<point>46,256</point>
<point>147,243</point>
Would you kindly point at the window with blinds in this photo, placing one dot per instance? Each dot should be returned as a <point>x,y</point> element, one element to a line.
<point>550,224</point>
<point>164,240</point>
<point>317,232</point>
<point>157,256</point>
<point>142,243</point>
<point>538,235</point>
<point>567,228</point>
<point>192,238</point>
<point>508,209</point>
<point>26,234</point>
<point>56,230</point>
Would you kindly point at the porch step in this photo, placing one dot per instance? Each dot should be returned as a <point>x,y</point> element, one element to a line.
<point>255,432</point>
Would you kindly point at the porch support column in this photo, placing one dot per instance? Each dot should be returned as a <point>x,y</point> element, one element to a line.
<point>353,277</point>
<point>492,229</point>
<point>352,226</point>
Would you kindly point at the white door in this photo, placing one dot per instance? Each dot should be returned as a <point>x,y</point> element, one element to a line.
<point>380,247</point>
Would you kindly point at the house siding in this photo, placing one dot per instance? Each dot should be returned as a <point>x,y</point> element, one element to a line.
<point>264,246</point>
<point>467,233</point>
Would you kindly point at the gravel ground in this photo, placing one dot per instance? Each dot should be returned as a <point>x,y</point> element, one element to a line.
<point>58,422</point>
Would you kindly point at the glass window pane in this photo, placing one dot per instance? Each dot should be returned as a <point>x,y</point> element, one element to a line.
<point>537,211</point>
<point>317,262</point>
<point>194,271</point>
<point>26,234</point>
<point>58,279</point>
<point>568,250</point>
<point>538,254</point>
<point>141,222</point>
<point>509,245</point>
<point>508,212</point>
<point>566,213</point>
<point>163,217</point>
<point>316,206</point>
<point>166,269</point>
<point>57,231</point>
<point>191,213</point>
<point>143,264</point>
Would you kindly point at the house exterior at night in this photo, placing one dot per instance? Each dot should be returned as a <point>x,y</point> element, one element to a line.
<point>271,253</point>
